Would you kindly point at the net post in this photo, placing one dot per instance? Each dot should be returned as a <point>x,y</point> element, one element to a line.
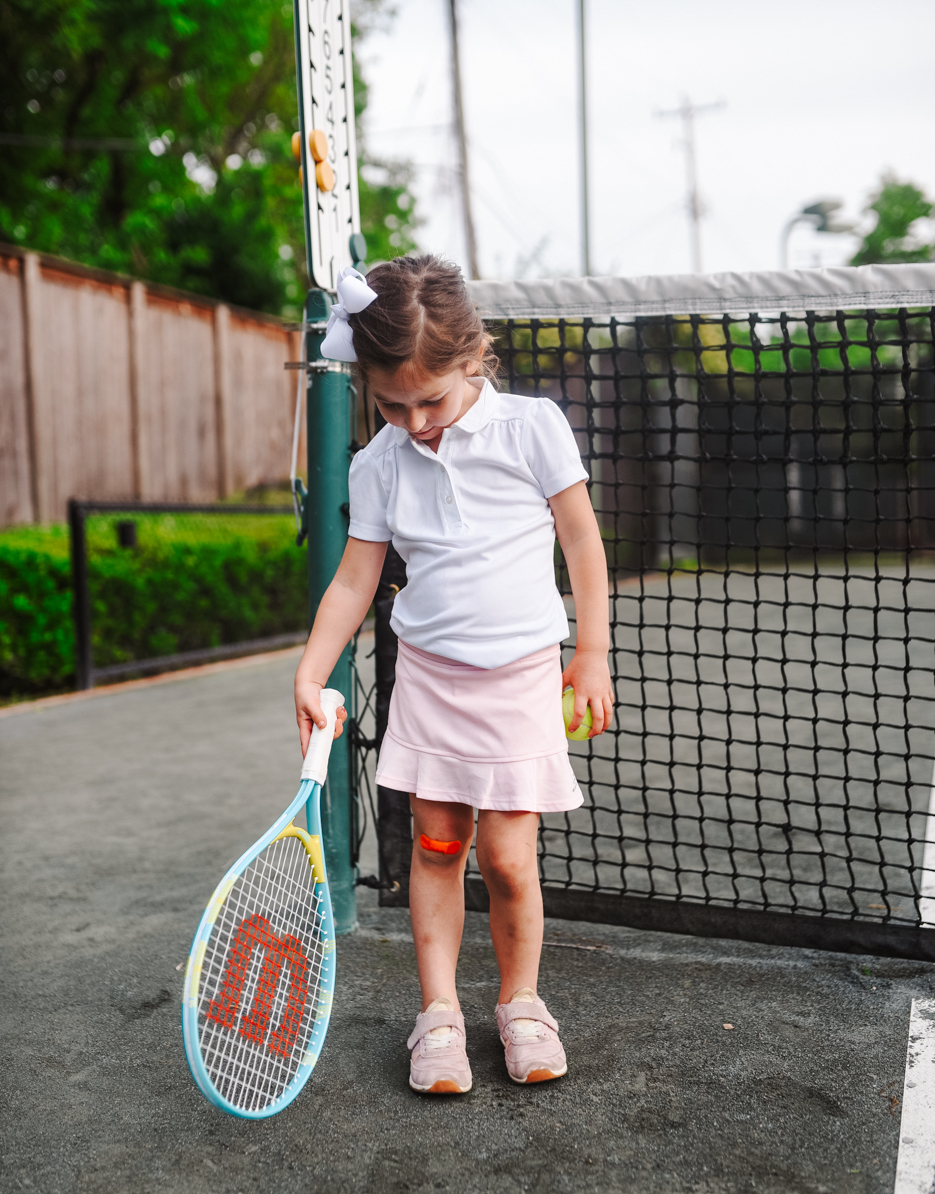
<point>81,606</point>
<point>328,417</point>
<point>394,825</point>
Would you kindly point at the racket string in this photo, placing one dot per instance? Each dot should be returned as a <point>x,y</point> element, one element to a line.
<point>264,1073</point>
<point>261,977</point>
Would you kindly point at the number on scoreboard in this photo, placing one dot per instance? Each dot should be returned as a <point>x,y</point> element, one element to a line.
<point>329,146</point>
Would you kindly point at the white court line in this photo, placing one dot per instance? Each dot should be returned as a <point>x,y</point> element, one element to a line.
<point>927,884</point>
<point>915,1164</point>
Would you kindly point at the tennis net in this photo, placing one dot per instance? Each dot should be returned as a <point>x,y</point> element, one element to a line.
<point>762,458</point>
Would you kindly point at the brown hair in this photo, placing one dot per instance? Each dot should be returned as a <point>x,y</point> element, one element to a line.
<point>423,320</point>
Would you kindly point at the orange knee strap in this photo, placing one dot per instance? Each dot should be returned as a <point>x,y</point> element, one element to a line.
<point>428,843</point>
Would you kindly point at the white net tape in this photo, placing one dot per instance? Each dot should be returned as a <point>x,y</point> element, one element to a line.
<point>260,978</point>
<point>843,286</point>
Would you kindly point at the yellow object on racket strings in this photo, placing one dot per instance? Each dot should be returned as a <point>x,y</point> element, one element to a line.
<point>568,712</point>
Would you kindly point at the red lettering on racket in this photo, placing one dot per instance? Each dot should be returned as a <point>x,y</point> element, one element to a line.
<point>278,951</point>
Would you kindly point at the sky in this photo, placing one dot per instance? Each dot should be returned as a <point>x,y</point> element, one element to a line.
<point>820,97</point>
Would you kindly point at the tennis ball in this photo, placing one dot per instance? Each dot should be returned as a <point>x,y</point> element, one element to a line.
<point>568,712</point>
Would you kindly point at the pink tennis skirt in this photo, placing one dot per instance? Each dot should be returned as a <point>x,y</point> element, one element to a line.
<point>489,737</point>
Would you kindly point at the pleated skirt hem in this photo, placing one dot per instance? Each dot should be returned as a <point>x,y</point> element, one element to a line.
<point>545,784</point>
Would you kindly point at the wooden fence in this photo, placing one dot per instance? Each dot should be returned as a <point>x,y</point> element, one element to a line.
<point>112,388</point>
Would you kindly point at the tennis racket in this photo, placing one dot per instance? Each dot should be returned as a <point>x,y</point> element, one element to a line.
<point>260,975</point>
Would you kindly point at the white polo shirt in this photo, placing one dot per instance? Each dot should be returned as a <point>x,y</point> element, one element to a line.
<point>473,524</point>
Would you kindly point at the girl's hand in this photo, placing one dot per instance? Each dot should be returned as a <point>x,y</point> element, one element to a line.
<point>308,711</point>
<point>588,673</point>
<point>589,676</point>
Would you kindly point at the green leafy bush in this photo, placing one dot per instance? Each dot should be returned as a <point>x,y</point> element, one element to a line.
<point>190,583</point>
<point>37,638</point>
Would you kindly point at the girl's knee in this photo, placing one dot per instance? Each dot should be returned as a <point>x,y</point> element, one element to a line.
<point>506,851</point>
<point>442,832</point>
<point>510,872</point>
<point>441,851</point>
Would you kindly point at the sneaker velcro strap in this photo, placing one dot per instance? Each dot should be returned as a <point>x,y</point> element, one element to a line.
<point>426,1021</point>
<point>507,1012</point>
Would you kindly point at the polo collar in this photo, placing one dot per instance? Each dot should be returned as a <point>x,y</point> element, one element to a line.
<point>481,412</point>
<point>477,417</point>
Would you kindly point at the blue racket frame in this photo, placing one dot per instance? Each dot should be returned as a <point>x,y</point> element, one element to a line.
<point>309,794</point>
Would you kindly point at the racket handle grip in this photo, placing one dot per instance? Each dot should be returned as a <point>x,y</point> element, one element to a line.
<point>315,766</point>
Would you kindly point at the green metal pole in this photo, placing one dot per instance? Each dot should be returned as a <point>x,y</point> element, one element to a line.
<point>329,454</point>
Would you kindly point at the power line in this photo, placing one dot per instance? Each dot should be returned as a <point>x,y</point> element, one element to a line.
<point>37,142</point>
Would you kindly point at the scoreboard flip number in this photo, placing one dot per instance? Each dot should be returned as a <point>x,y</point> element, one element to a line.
<point>326,124</point>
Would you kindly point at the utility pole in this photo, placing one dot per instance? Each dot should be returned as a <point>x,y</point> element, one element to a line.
<point>466,209</point>
<point>583,114</point>
<point>688,111</point>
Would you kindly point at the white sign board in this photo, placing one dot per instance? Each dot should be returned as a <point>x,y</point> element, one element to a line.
<point>326,105</point>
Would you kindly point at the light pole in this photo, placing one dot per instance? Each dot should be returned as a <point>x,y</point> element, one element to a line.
<point>583,119</point>
<point>819,215</point>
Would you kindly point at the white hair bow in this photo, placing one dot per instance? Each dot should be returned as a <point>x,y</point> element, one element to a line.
<point>353,295</point>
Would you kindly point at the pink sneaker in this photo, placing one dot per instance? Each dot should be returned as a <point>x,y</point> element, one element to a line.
<point>530,1035</point>
<point>439,1063</point>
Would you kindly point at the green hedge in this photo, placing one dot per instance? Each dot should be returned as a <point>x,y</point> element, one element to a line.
<point>37,638</point>
<point>190,583</point>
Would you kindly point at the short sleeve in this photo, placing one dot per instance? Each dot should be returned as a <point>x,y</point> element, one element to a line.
<point>549,448</point>
<point>368,501</point>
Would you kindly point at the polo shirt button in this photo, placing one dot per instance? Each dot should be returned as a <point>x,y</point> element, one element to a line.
<point>448,497</point>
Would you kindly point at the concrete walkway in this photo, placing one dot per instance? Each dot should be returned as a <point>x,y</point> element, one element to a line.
<point>118,814</point>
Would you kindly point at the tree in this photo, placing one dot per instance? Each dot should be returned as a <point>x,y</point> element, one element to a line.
<point>895,237</point>
<point>158,143</point>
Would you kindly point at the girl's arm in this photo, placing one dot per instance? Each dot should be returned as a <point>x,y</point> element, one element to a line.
<point>583,549</point>
<point>342,609</point>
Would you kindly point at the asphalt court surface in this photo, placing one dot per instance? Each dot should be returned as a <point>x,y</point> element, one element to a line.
<point>119,813</point>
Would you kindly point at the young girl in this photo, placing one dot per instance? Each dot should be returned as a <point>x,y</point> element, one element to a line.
<point>471,486</point>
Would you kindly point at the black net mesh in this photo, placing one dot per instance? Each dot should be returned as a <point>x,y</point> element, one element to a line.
<point>765,489</point>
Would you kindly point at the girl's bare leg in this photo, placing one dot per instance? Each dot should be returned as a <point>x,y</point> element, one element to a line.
<point>506,855</point>
<point>436,894</point>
